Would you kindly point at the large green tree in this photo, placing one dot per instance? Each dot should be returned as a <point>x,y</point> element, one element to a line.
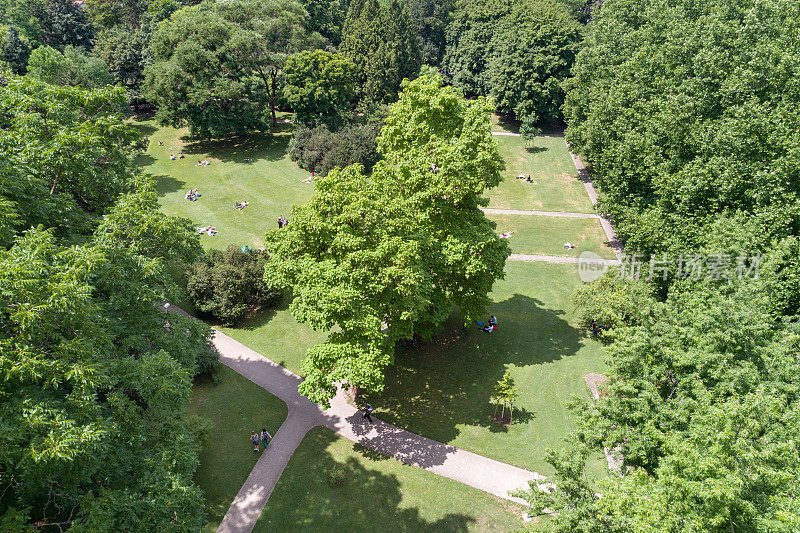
<point>14,50</point>
<point>319,88</point>
<point>683,134</point>
<point>63,23</point>
<point>375,259</point>
<point>70,67</point>
<point>430,19</point>
<point>380,41</point>
<point>93,375</point>
<point>217,66</point>
<point>517,51</point>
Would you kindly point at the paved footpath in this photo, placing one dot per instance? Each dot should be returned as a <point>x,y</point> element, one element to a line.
<point>475,470</point>
<point>562,259</point>
<point>616,245</point>
<point>303,415</point>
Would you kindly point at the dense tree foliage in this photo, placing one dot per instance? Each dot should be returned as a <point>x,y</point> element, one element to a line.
<point>217,66</point>
<point>430,19</point>
<point>123,51</point>
<point>94,376</point>
<point>386,257</point>
<point>227,285</point>
<point>14,50</point>
<point>379,40</point>
<point>65,23</point>
<point>682,136</point>
<point>326,17</point>
<point>685,109</point>
<point>319,150</point>
<point>69,67</point>
<point>319,88</point>
<point>517,51</point>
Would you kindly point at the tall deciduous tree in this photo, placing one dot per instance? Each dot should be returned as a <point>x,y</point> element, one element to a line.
<point>69,67</point>
<point>517,51</point>
<point>381,43</point>
<point>65,23</point>
<point>387,257</point>
<point>14,50</point>
<point>319,88</point>
<point>94,376</point>
<point>217,66</point>
<point>683,135</point>
<point>430,19</point>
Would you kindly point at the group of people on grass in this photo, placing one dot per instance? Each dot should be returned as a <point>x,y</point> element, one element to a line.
<point>203,163</point>
<point>282,221</point>
<point>490,326</point>
<point>260,438</point>
<point>193,195</point>
<point>522,177</point>
<point>240,205</point>
<point>210,230</point>
<point>172,156</point>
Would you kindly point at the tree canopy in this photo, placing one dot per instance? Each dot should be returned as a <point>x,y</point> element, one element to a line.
<point>517,51</point>
<point>386,257</point>
<point>379,40</point>
<point>94,375</point>
<point>216,66</point>
<point>319,88</point>
<point>687,135</point>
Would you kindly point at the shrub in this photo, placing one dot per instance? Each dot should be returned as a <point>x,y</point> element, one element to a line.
<point>336,476</point>
<point>319,150</point>
<point>225,285</point>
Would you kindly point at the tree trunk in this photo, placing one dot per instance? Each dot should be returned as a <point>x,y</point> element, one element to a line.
<point>511,415</point>
<point>503,412</point>
<point>496,405</point>
<point>272,96</point>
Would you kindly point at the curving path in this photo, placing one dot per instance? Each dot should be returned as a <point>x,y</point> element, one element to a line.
<point>475,470</point>
<point>492,210</point>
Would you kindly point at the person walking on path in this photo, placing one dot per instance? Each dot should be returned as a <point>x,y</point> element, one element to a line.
<point>265,437</point>
<point>367,413</point>
<point>254,440</point>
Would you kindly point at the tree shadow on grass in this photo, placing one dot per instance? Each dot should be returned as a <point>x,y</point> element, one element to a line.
<point>253,147</point>
<point>166,184</point>
<point>446,383</point>
<point>536,149</point>
<point>146,129</point>
<point>320,493</point>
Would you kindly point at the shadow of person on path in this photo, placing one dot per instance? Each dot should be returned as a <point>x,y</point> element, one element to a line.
<point>443,385</point>
<point>330,486</point>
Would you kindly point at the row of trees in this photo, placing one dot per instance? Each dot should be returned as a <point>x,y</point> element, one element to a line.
<point>95,376</point>
<point>687,113</point>
<point>221,67</point>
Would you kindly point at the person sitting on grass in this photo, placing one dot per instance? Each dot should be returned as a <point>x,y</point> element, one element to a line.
<point>491,326</point>
<point>570,246</point>
<point>180,155</point>
<point>172,157</point>
<point>506,235</point>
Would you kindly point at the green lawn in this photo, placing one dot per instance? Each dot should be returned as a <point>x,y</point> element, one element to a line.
<point>272,183</point>
<point>378,494</point>
<point>555,187</point>
<point>276,334</point>
<point>547,235</point>
<point>442,389</point>
<point>235,406</point>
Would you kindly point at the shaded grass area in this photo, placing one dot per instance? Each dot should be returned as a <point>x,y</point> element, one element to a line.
<point>547,235</point>
<point>276,334</point>
<point>442,389</point>
<point>271,182</point>
<point>234,406</point>
<point>556,185</point>
<point>376,494</point>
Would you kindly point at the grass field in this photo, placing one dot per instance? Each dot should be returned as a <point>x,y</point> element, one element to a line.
<point>547,235</point>
<point>271,182</point>
<point>234,407</point>
<point>442,389</point>
<point>555,187</point>
<point>377,494</point>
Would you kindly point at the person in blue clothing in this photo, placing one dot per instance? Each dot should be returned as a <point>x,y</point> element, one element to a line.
<point>367,413</point>
<point>255,440</point>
